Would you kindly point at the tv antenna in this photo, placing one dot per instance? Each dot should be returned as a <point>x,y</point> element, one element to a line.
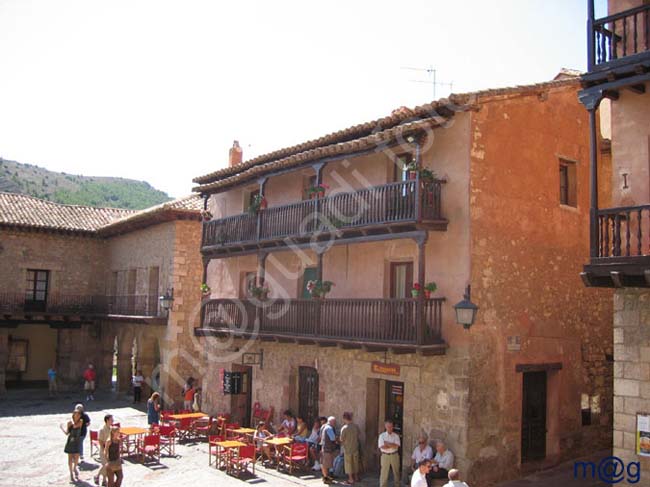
<point>431,74</point>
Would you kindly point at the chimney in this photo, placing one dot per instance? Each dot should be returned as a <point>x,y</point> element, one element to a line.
<point>235,154</point>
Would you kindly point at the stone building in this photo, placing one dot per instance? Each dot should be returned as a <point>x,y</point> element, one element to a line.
<point>487,189</point>
<point>81,285</point>
<point>617,83</point>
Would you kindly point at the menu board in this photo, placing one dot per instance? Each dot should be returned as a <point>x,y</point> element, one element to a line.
<point>643,435</point>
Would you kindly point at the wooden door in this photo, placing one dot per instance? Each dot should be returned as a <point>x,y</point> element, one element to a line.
<point>395,407</point>
<point>533,420</point>
<point>308,394</point>
<point>240,400</point>
<point>401,279</point>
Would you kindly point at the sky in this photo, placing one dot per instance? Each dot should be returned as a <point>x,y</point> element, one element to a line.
<point>158,90</point>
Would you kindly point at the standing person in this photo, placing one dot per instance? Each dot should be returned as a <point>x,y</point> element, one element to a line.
<point>137,381</point>
<point>51,381</point>
<point>89,382</point>
<point>329,447</point>
<point>102,438</point>
<point>188,398</point>
<point>186,387</point>
<point>420,472</point>
<point>153,409</point>
<point>389,444</point>
<point>114,463</point>
<point>442,462</point>
<point>73,431</point>
<point>351,443</point>
<point>196,405</point>
<point>454,479</point>
<point>85,421</point>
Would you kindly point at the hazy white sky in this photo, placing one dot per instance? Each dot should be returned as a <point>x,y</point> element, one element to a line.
<point>157,90</point>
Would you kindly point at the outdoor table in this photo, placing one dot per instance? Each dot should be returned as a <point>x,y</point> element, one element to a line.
<point>228,446</point>
<point>277,444</point>
<point>129,431</point>
<point>244,431</point>
<point>178,417</point>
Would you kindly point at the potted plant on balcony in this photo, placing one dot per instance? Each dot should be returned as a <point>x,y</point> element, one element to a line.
<point>427,175</point>
<point>205,290</point>
<point>415,290</point>
<point>258,203</point>
<point>318,288</point>
<point>317,191</point>
<point>206,215</point>
<point>429,288</point>
<point>260,292</point>
<point>412,168</point>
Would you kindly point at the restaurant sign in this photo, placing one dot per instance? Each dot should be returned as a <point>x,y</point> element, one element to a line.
<point>385,369</point>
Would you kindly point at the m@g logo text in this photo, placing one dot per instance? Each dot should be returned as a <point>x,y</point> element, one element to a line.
<point>610,470</point>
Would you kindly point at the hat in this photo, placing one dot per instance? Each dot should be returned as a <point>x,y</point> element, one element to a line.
<point>79,407</point>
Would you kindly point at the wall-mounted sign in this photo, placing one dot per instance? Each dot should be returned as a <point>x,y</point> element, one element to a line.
<point>643,435</point>
<point>253,359</point>
<point>513,344</point>
<point>385,369</point>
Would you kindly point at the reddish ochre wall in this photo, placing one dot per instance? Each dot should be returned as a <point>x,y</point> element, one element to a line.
<point>527,252</point>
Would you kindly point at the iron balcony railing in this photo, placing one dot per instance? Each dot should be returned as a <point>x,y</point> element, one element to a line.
<point>619,35</point>
<point>55,303</point>
<point>355,320</point>
<point>376,206</point>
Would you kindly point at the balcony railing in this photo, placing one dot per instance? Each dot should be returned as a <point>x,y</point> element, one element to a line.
<point>70,304</point>
<point>620,35</point>
<point>624,232</point>
<point>392,203</point>
<point>374,321</point>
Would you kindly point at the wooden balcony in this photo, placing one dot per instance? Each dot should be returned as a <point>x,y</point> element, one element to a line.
<point>71,310</point>
<point>623,250</point>
<point>619,48</point>
<point>372,324</point>
<point>372,212</point>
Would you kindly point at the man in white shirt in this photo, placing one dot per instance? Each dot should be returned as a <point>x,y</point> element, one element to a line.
<point>454,479</point>
<point>419,478</point>
<point>389,444</point>
<point>442,462</point>
<point>422,451</point>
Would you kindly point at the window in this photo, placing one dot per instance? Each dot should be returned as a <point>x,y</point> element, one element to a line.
<point>401,279</point>
<point>568,188</point>
<point>248,281</point>
<point>37,288</point>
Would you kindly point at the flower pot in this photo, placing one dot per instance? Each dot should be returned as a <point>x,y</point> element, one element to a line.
<point>414,293</point>
<point>263,205</point>
<point>313,196</point>
<point>413,174</point>
<point>321,194</point>
<point>427,294</point>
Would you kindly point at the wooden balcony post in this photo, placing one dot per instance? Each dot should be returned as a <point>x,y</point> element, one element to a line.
<point>318,168</point>
<point>319,268</point>
<point>419,310</point>
<point>593,167</point>
<point>591,38</point>
<point>261,268</point>
<point>418,191</point>
<point>262,183</point>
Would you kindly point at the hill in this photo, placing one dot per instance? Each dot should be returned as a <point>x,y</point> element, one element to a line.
<point>16,177</point>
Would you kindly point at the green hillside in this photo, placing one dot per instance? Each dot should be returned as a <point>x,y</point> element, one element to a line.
<point>60,187</point>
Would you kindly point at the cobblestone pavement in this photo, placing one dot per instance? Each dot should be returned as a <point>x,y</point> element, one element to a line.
<point>31,452</point>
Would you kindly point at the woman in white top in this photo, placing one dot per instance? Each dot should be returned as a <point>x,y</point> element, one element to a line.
<point>262,434</point>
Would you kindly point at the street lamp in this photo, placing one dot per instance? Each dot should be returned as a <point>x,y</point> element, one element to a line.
<point>466,310</point>
<point>167,299</point>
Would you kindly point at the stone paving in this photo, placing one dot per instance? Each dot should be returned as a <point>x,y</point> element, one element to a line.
<point>31,452</point>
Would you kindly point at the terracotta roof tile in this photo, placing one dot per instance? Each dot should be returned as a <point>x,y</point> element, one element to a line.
<point>18,210</point>
<point>361,135</point>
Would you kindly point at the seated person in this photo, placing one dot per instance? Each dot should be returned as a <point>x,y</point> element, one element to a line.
<point>422,451</point>
<point>261,434</point>
<point>288,426</point>
<point>302,432</point>
<point>442,462</point>
<point>312,442</point>
<point>454,479</point>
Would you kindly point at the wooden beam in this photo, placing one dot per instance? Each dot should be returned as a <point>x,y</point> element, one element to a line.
<point>638,89</point>
<point>617,278</point>
<point>611,94</point>
<point>586,279</point>
<point>646,274</point>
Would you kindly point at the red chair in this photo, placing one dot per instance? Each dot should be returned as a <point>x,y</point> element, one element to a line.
<point>150,448</point>
<point>295,455</point>
<point>184,429</point>
<point>94,442</point>
<point>214,449</point>
<point>165,416</point>
<point>240,462</point>
<point>202,428</point>
<point>168,439</point>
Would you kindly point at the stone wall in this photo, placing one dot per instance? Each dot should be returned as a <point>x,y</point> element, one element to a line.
<point>631,371</point>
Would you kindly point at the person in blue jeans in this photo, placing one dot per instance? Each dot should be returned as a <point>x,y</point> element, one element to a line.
<point>85,421</point>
